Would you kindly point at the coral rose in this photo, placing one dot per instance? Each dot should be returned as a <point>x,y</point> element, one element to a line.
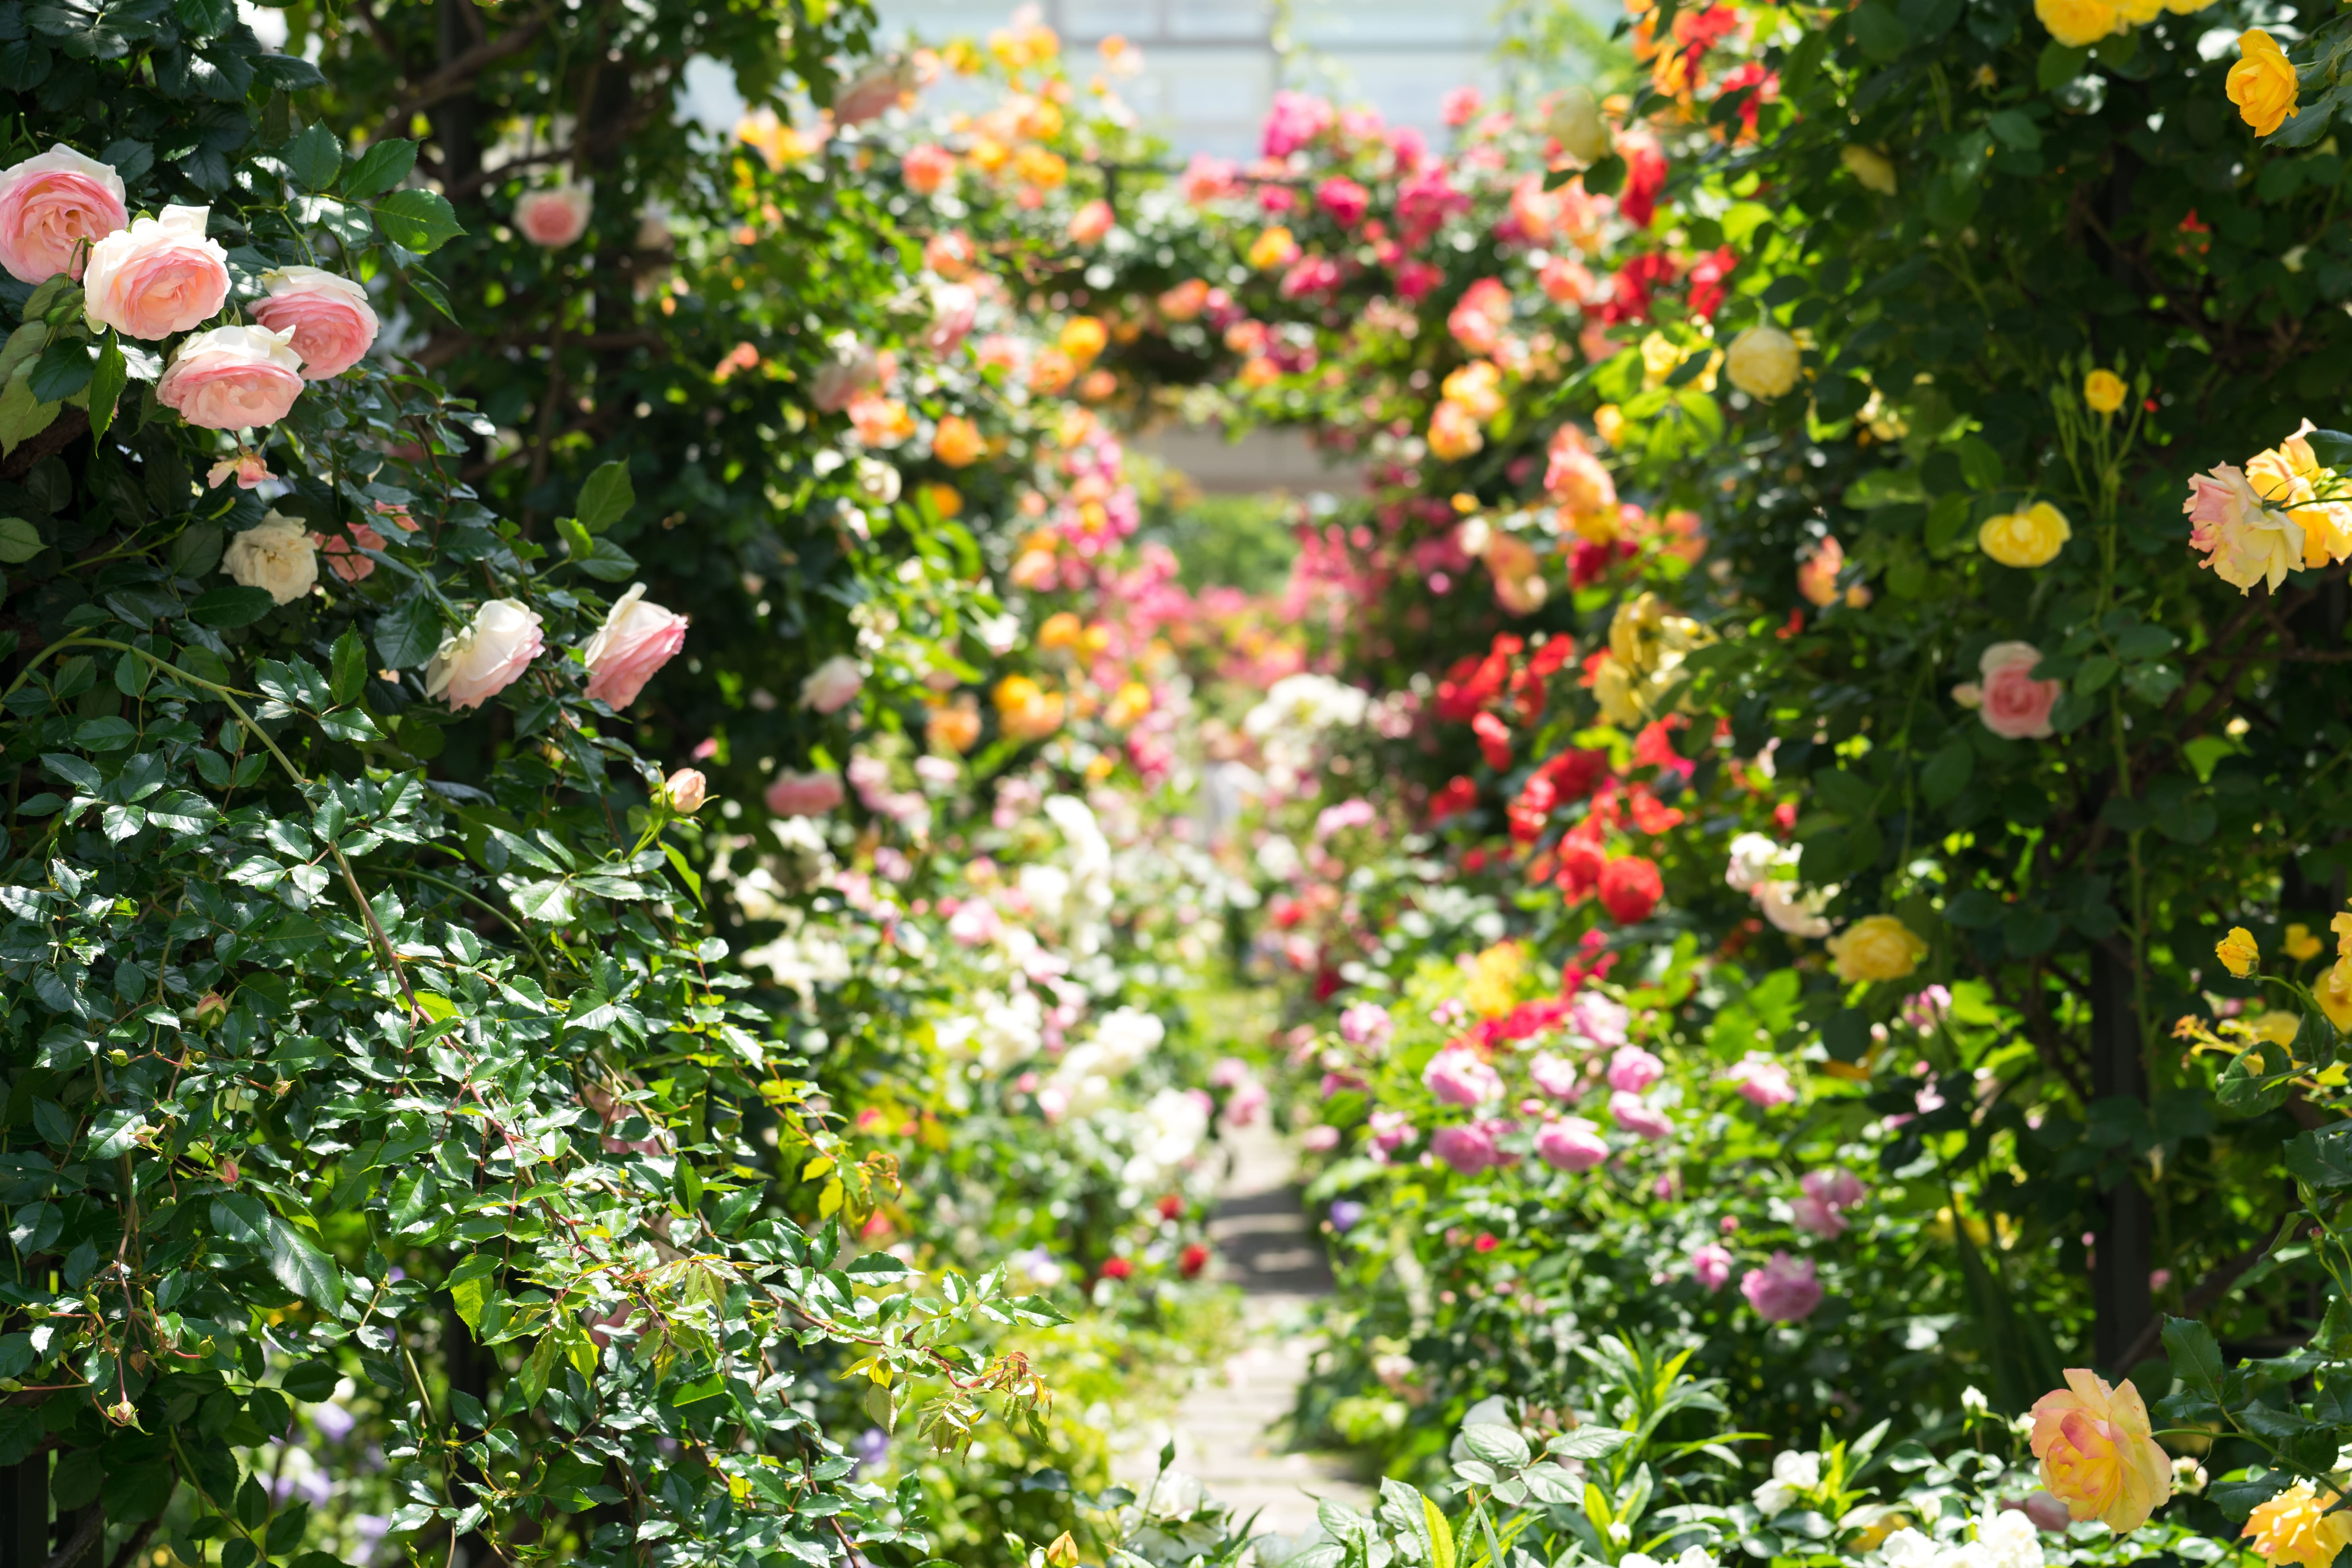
<point>2243,541</point>
<point>2097,1456</point>
<point>952,730</point>
<point>50,205</point>
<point>555,215</point>
<point>1570,1144</point>
<point>951,254</point>
<point>1785,1291</point>
<point>1091,222</point>
<point>832,684</point>
<point>2009,700</point>
<point>637,638</point>
<point>333,322</point>
<point>1631,887</point>
<point>2029,538</point>
<point>2262,83</point>
<point>1876,947</point>
<point>485,656</point>
<point>1763,362</point>
<point>957,442</point>
<point>232,378</point>
<point>926,167</point>
<point>1272,249</point>
<point>1454,432</point>
<point>343,557</point>
<point>275,554</point>
<point>158,277</point>
<point>2297,1526</point>
<point>804,795</point>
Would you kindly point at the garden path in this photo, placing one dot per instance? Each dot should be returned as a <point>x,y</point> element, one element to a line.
<point>1227,1430</point>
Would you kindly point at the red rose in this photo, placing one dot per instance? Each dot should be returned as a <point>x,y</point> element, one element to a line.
<point>1581,863</point>
<point>1631,887</point>
<point>1194,1258</point>
<point>1170,1206</point>
<point>1118,1268</point>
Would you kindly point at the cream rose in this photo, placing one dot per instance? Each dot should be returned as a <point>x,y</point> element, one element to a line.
<point>333,322</point>
<point>158,277</point>
<point>1763,362</point>
<point>49,205</point>
<point>637,638</point>
<point>555,217</point>
<point>275,554</point>
<point>486,656</point>
<point>232,378</point>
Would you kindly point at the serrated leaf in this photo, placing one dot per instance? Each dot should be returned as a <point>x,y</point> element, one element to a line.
<point>382,166</point>
<point>226,609</point>
<point>421,221</point>
<point>606,497</point>
<point>314,158</point>
<point>19,540</point>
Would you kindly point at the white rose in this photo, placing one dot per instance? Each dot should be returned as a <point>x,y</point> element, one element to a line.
<point>486,656</point>
<point>275,554</point>
<point>1763,362</point>
<point>1792,909</point>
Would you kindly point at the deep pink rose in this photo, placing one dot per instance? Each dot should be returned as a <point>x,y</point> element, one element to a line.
<point>1295,120</point>
<point>333,322</point>
<point>804,795</point>
<point>233,378</point>
<point>1571,1144</point>
<point>1711,1265</point>
<point>1638,1116</point>
<point>554,216</point>
<point>158,277</point>
<point>1345,200</point>
<point>49,205</point>
<point>1634,1070</point>
<point>1761,1081</point>
<point>1460,1077</point>
<point>1472,1149</point>
<point>1784,1290</point>
<point>637,638</point>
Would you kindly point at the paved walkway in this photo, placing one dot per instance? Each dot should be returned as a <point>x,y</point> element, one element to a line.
<point>1227,1430</point>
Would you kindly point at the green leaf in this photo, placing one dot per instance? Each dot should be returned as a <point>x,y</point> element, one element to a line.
<point>205,18</point>
<point>310,1381</point>
<point>384,165</point>
<point>1948,772</point>
<point>2196,1357</point>
<point>428,289</point>
<point>1587,1443</point>
<point>421,221</point>
<point>2059,65</point>
<point>471,1285</point>
<point>606,497</point>
<point>1980,465</point>
<point>63,369</point>
<point>19,540</point>
<point>314,158</point>
<point>106,383</point>
<point>2016,129</point>
<point>22,414</point>
<point>301,1268</point>
<point>351,670</point>
<point>225,608</point>
<point>409,634</point>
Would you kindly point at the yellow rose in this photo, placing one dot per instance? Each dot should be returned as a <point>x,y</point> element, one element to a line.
<point>1082,338</point>
<point>2238,952</point>
<point>1274,248</point>
<point>1131,702</point>
<point>2078,24</point>
<point>1877,947</point>
<point>1763,362</point>
<point>2137,13</point>
<point>2104,391</point>
<point>2300,943</point>
<point>2097,1456</point>
<point>2279,1028</point>
<point>2028,538</point>
<point>2262,84</point>
<point>1871,168</point>
<point>2342,926</point>
<point>2296,1527</point>
<point>2335,994</point>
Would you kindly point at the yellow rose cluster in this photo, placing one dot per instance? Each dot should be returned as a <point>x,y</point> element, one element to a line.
<point>2283,510</point>
<point>2241,954</point>
<point>2079,23</point>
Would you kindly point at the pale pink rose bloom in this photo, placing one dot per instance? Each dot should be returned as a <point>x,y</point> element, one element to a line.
<point>2014,704</point>
<point>1459,1078</point>
<point>975,924</point>
<point>1785,1291</point>
<point>638,638</point>
<point>1838,1188</point>
<point>1598,1019</point>
<point>1207,179</point>
<point>233,378</point>
<point>875,90</point>
<point>1711,1265</point>
<point>486,656</point>
<point>1924,1009</point>
<point>1366,1023</point>
<point>1470,1150</point>
<point>1571,1144</point>
<point>1320,1138</point>
<point>804,795</point>
<point>833,685</point>
<point>250,469</point>
<point>2243,541</point>
<point>1391,1131</point>
<point>1817,1218</point>
<point>342,554</point>
<point>1555,1075</point>
<point>49,205</point>
<point>1634,1070</point>
<point>158,277</point>
<point>954,307</point>
<point>554,215</point>
<point>334,324</point>
<point>1246,1103</point>
<point>1761,1081</point>
<point>1638,1116</point>
<point>686,790</point>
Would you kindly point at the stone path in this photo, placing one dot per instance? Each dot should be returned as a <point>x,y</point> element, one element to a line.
<point>1226,1430</point>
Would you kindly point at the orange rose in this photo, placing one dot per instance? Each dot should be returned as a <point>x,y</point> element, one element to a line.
<point>2096,1455</point>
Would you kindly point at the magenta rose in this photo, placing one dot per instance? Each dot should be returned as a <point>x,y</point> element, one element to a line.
<point>1571,1144</point>
<point>1634,1070</point>
<point>805,795</point>
<point>158,277</point>
<point>554,215</point>
<point>329,314</point>
<point>1784,1290</point>
<point>49,206</point>
<point>637,638</point>
<point>1458,1078</point>
<point>233,378</point>
<point>1470,1148</point>
<point>1711,1265</point>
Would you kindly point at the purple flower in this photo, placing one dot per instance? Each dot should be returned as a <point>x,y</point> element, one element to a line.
<point>333,1422</point>
<point>1346,1214</point>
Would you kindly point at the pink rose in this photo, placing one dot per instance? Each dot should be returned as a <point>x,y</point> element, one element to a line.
<point>158,277</point>
<point>1711,1265</point>
<point>2243,541</point>
<point>1817,1218</point>
<point>1638,1116</point>
<point>343,557</point>
<point>1598,1019</point>
<point>2012,702</point>
<point>1571,1144</point>
<point>334,324</point>
<point>1205,179</point>
<point>1634,1070</point>
<point>1554,1075</point>
<point>685,790</point>
<point>1839,1189</point>
<point>1784,1290</point>
<point>1320,1138</point>
<point>1366,1023</point>
<point>1391,1131</point>
<point>1295,118</point>
<point>833,685</point>
<point>232,378</point>
<point>1247,1102</point>
<point>486,656</point>
<point>1472,1149</point>
<point>1461,105</point>
<point>926,166</point>
<point>804,795</point>
<point>843,378</point>
<point>1091,222</point>
<point>1345,200</point>
<point>49,205</point>
<point>1761,1081</point>
<point>637,638</point>
<point>954,307</point>
<point>1459,1078</point>
<point>554,215</point>
<point>875,92</point>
